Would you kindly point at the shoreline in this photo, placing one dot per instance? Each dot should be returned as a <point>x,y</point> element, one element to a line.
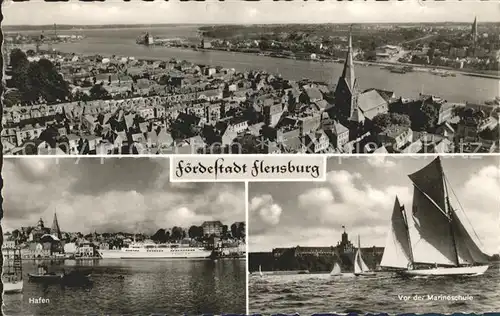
<point>416,67</point>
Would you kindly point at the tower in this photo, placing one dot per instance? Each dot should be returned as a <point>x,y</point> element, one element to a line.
<point>40,224</point>
<point>54,230</point>
<point>346,92</point>
<point>474,35</point>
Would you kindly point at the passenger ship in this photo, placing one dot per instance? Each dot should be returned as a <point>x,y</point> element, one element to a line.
<point>156,251</point>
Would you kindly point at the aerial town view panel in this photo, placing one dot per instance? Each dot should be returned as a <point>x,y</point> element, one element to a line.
<point>238,78</point>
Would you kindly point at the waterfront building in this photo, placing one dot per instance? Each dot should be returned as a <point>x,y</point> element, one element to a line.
<point>212,228</point>
<point>86,250</point>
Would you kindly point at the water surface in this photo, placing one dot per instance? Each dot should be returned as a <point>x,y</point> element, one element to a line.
<point>138,287</point>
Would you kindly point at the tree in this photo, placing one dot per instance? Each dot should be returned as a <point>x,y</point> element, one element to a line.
<point>159,236</point>
<point>235,231</point>
<point>224,230</point>
<point>241,230</point>
<point>49,135</point>
<point>176,233</point>
<point>17,58</point>
<point>194,232</point>
<point>98,92</point>
<point>384,120</point>
<point>12,97</point>
<point>426,118</point>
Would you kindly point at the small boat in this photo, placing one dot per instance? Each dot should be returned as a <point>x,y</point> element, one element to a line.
<point>433,241</point>
<point>47,277</point>
<point>43,275</point>
<point>12,276</point>
<point>260,271</point>
<point>336,269</point>
<point>398,70</point>
<point>360,267</point>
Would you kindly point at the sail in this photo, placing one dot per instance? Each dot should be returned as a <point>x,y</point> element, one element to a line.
<point>468,250</point>
<point>336,269</point>
<point>430,234</point>
<point>359,264</point>
<point>260,270</point>
<point>430,180</point>
<point>397,251</point>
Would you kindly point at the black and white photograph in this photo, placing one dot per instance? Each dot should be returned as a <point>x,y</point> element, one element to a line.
<point>390,235</point>
<point>114,77</point>
<point>114,236</point>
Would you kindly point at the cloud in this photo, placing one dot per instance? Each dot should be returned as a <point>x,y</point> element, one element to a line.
<point>112,12</point>
<point>269,212</point>
<point>379,161</point>
<point>131,194</point>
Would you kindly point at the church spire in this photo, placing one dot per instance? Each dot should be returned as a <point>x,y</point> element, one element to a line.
<point>55,227</point>
<point>474,35</point>
<point>348,72</point>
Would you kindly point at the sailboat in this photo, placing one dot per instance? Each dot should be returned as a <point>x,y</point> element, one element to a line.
<point>433,241</point>
<point>260,271</point>
<point>336,269</point>
<point>360,267</point>
<point>12,277</point>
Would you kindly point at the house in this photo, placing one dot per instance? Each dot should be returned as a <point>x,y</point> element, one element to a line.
<point>396,137</point>
<point>212,228</point>
<point>338,134</point>
<point>316,142</point>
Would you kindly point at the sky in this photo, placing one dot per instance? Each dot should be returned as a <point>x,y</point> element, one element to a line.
<point>359,194</point>
<point>128,194</point>
<point>243,12</point>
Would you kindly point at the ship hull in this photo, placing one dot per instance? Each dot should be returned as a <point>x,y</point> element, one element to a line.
<point>120,254</point>
<point>13,287</point>
<point>459,271</point>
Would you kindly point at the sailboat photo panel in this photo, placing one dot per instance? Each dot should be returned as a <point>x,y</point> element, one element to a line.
<point>391,225</point>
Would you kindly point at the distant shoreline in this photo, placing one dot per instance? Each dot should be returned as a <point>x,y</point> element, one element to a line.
<point>419,67</point>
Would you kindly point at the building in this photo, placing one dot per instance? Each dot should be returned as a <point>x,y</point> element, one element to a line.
<point>355,107</point>
<point>86,250</point>
<point>55,230</point>
<point>212,228</point>
<point>396,138</point>
<point>474,34</point>
<point>38,231</point>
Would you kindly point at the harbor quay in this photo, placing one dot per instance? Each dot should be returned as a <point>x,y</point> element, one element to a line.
<point>212,240</point>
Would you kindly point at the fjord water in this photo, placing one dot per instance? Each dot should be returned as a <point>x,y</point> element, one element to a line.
<point>322,293</point>
<point>121,41</point>
<point>137,287</point>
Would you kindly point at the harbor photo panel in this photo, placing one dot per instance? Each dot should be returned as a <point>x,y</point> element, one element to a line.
<point>383,234</point>
<point>115,236</point>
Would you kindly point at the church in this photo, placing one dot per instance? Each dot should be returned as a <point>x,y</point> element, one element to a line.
<point>356,109</point>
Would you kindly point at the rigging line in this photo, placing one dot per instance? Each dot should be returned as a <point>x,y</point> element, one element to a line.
<point>463,211</point>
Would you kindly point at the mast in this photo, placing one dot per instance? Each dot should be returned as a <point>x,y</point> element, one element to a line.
<point>403,212</point>
<point>449,211</point>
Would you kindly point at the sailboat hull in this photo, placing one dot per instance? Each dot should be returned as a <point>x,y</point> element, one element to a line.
<point>13,287</point>
<point>365,274</point>
<point>459,271</point>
